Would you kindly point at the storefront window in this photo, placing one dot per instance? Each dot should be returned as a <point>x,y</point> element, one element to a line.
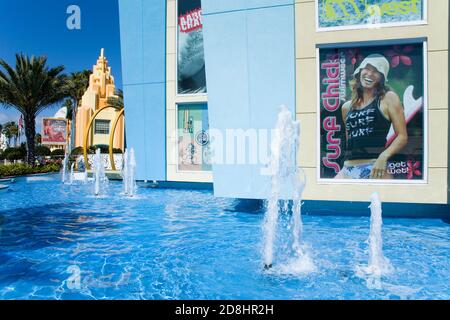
<point>344,14</point>
<point>102,126</point>
<point>193,138</point>
<point>190,55</point>
<point>372,113</point>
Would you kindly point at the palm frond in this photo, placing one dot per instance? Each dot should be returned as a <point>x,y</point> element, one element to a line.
<point>117,100</point>
<point>30,87</point>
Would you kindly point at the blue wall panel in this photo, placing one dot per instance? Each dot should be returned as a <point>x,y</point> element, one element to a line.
<point>154,134</point>
<point>134,124</point>
<point>271,64</point>
<point>219,6</point>
<point>143,43</point>
<point>131,41</point>
<point>250,69</point>
<point>154,39</point>
<point>228,88</point>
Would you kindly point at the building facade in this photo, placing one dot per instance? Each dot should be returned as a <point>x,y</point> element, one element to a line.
<point>203,80</point>
<point>101,88</point>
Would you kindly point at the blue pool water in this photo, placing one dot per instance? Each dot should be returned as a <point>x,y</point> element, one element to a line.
<point>177,244</point>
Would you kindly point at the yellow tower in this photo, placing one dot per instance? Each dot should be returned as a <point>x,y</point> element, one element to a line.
<point>101,87</point>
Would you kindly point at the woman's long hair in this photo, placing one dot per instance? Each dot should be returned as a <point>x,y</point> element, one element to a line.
<point>357,89</point>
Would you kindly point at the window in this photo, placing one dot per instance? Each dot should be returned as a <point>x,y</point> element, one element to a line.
<point>193,138</point>
<point>102,126</point>
<point>191,62</point>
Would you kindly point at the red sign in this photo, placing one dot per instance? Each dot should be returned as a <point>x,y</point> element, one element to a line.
<point>191,21</point>
<point>54,131</point>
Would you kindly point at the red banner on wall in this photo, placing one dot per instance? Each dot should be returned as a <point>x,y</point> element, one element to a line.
<point>190,21</point>
<point>54,131</point>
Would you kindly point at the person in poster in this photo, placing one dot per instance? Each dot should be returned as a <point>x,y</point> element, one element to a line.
<point>368,117</point>
<point>54,131</point>
<point>372,112</point>
<point>191,60</point>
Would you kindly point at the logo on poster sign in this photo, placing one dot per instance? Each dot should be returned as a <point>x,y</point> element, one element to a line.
<point>191,21</point>
<point>333,94</point>
<point>335,10</point>
<point>408,168</point>
<point>202,138</point>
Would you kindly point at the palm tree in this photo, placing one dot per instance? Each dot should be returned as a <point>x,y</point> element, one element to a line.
<point>116,101</point>
<point>68,103</point>
<point>15,132</point>
<point>30,88</point>
<point>78,82</point>
<point>11,131</point>
<point>7,134</point>
<point>2,143</point>
<point>69,106</point>
<point>38,139</point>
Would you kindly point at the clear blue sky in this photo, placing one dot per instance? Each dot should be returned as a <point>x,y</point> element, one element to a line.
<point>38,27</point>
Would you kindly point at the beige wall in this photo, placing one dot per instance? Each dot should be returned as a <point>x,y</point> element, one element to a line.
<point>173,99</point>
<point>107,114</point>
<point>436,32</point>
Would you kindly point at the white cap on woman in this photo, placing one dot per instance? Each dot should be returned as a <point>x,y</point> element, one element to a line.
<point>377,61</point>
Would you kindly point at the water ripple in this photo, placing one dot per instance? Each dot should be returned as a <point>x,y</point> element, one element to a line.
<point>183,244</point>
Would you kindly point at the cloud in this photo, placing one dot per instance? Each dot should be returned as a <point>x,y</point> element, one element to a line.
<point>39,120</point>
<point>8,117</point>
<point>4,117</point>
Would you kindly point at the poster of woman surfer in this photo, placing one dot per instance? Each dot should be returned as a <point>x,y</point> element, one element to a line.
<point>372,112</point>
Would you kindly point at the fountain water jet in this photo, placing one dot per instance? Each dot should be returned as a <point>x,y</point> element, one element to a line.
<point>64,168</point>
<point>125,172</point>
<point>378,264</point>
<point>288,186</point>
<point>81,176</point>
<point>128,173</point>
<point>98,173</point>
<point>72,175</point>
<point>131,174</point>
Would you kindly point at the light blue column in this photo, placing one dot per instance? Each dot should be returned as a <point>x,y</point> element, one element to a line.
<point>143,45</point>
<point>250,72</point>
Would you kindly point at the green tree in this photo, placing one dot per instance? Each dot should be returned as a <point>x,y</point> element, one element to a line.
<point>68,103</point>
<point>38,139</point>
<point>11,131</point>
<point>78,82</point>
<point>69,106</point>
<point>31,87</point>
<point>117,100</point>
